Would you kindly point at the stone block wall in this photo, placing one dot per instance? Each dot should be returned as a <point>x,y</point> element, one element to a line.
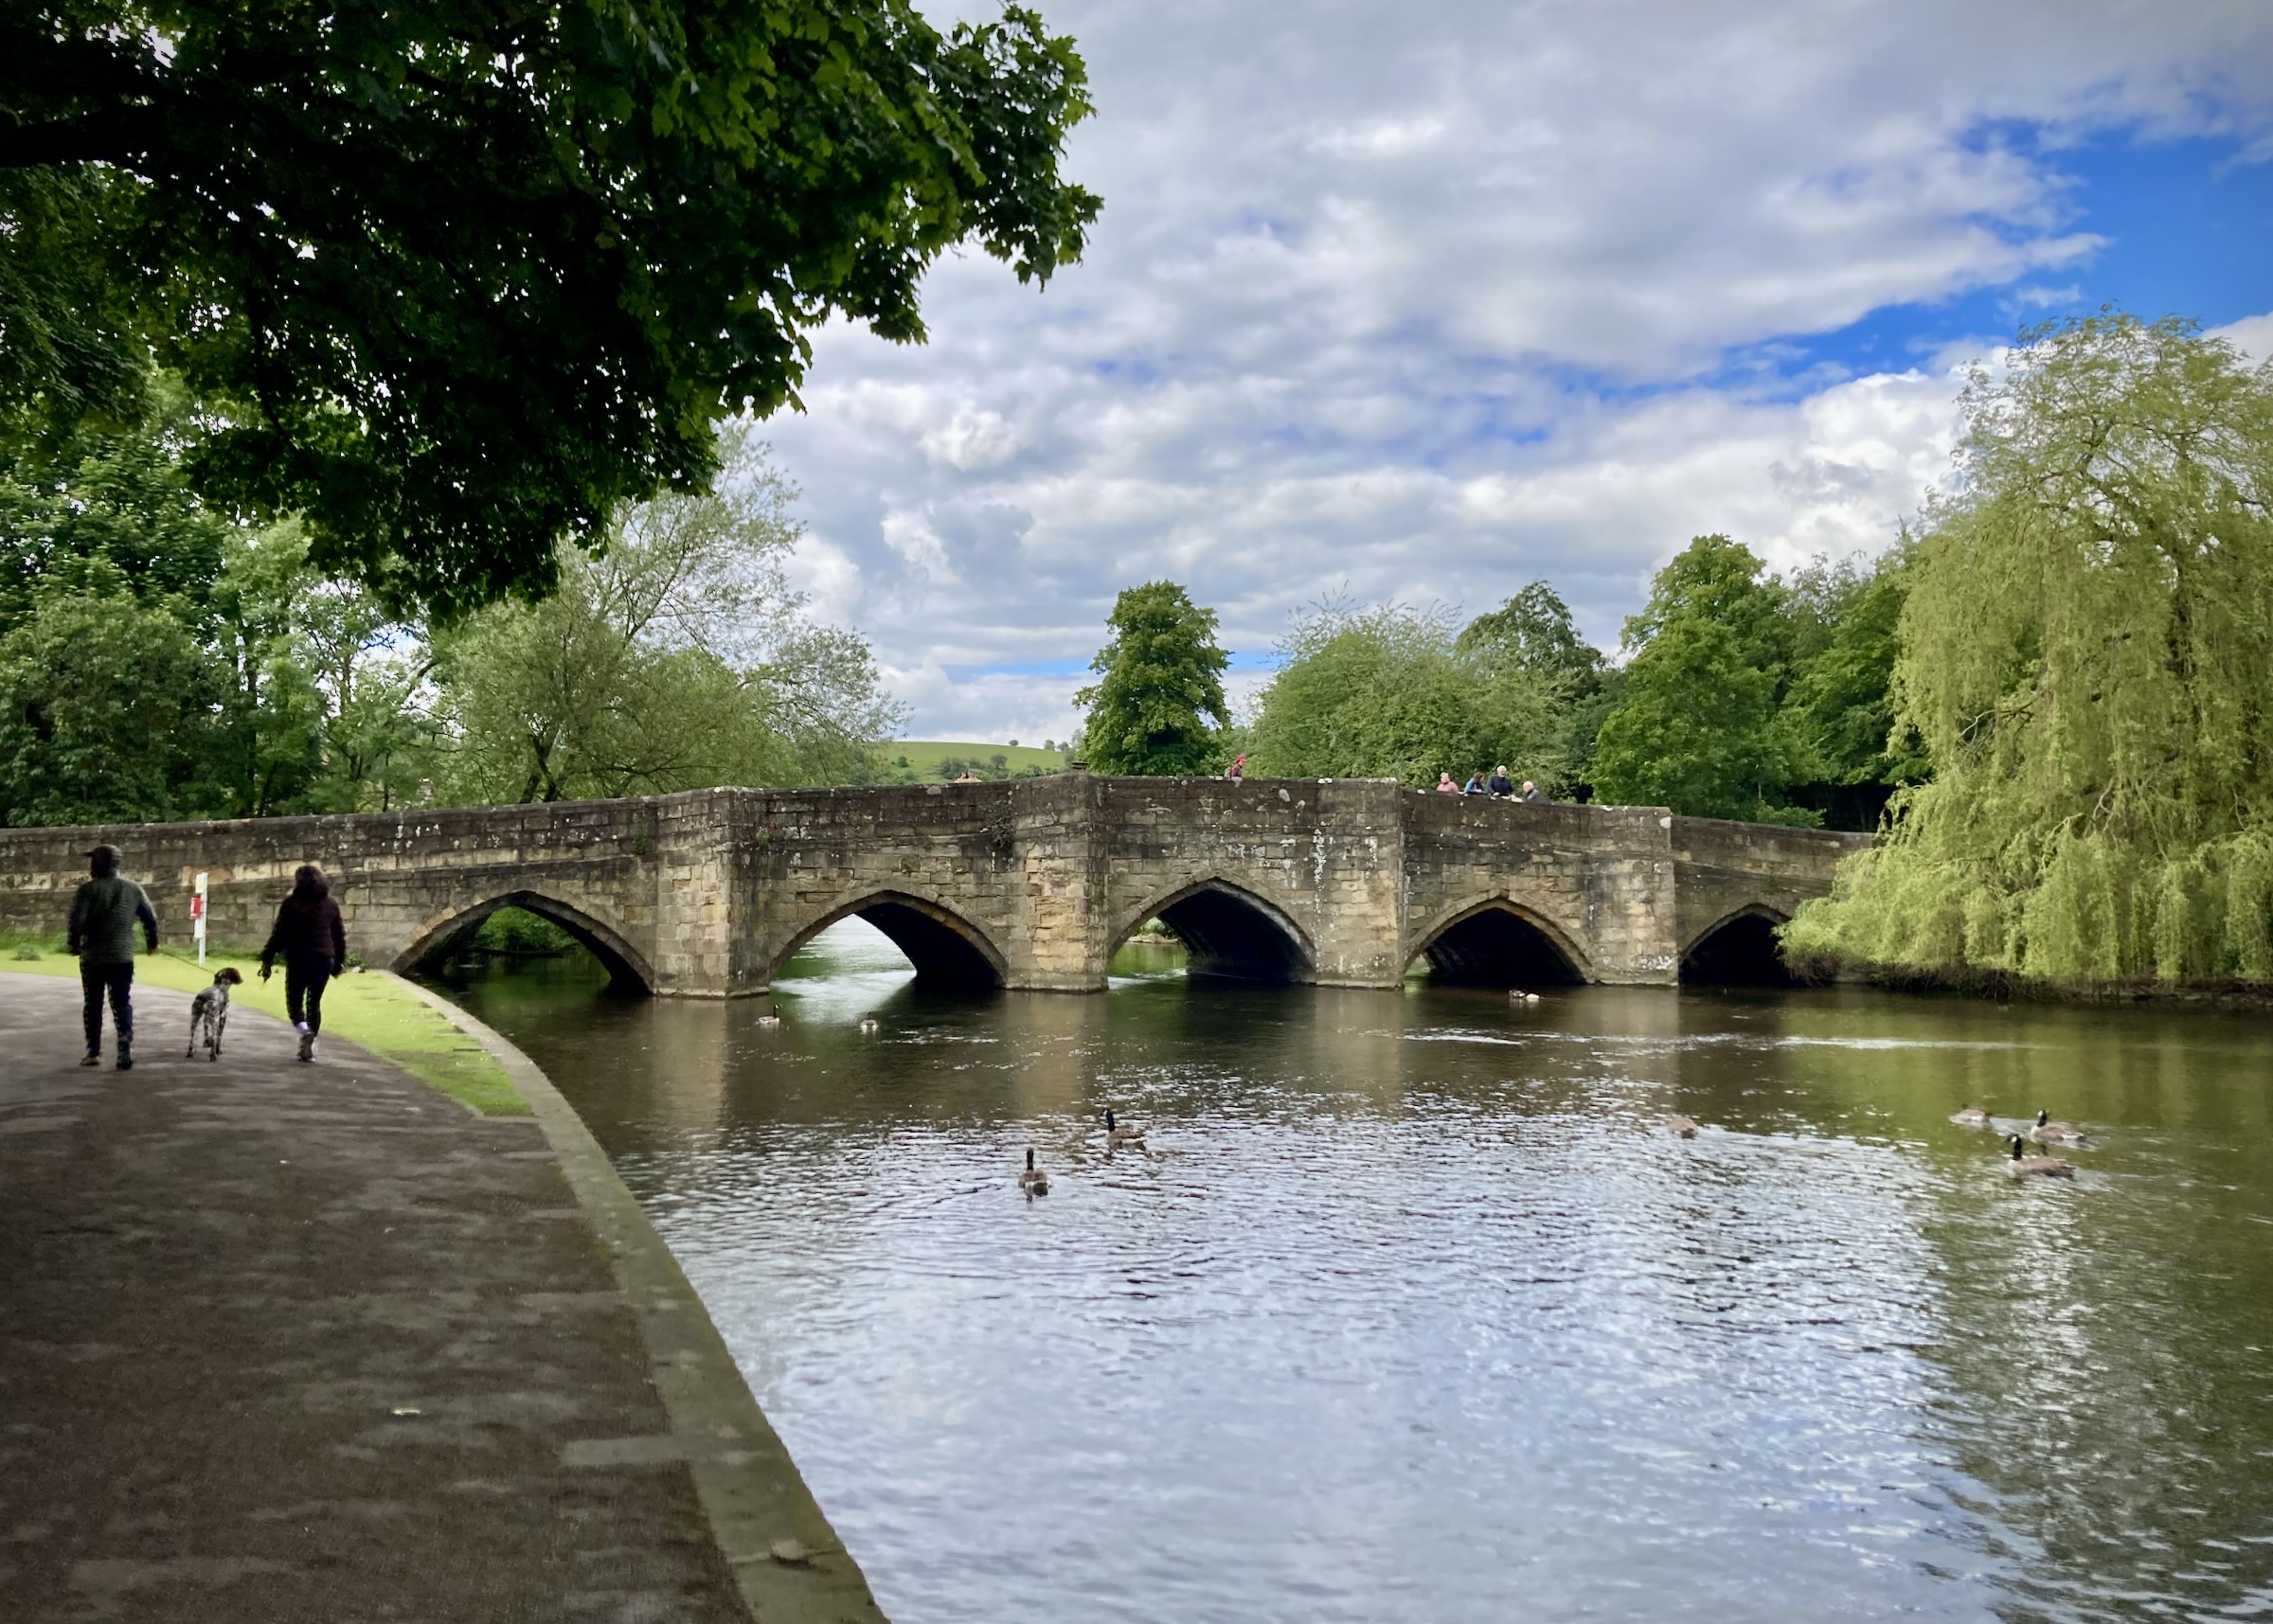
<point>1721,868</point>
<point>1033,883</point>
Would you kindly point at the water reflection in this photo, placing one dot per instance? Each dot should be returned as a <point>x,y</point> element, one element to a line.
<point>1409,1312</point>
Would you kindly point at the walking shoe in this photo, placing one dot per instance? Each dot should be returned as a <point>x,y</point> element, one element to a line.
<point>307,1043</point>
<point>126,1061</point>
<point>93,1057</point>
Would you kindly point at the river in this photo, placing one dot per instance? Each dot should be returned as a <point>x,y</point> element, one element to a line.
<point>1411,1309</point>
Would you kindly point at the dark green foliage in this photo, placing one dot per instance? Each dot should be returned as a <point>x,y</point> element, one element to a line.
<point>1548,688</point>
<point>70,351</point>
<point>1161,678</point>
<point>1699,728</point>
<point>516,933</point>
<point>460,279</point>
<point>1532,633</point>
<point>1841,704</point>
<point>158,661</point>
<point>106,708</point>
<point>119,495</point>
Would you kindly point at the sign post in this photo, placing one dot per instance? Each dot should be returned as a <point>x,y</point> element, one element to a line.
<point>197,917</point>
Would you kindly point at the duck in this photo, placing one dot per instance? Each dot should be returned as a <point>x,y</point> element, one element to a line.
<point>1681,1126</point>
<point>1117,1134</point>
<point>2047,1132</point>
<point>1517,996</point>
<point>1971,1117</point>
<point>1033,1181</point>
<point>2038,1167</point>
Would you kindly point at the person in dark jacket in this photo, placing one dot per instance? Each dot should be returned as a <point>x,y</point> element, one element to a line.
<point>312,940</point>
<point>103,916</point>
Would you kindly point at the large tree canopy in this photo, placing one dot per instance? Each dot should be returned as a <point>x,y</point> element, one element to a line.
<point>1160,679</point>
<point>1700,727</point>
<point>459,276</point>
<point>2084,653</point>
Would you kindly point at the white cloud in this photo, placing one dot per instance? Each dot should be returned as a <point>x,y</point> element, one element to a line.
<point>1434,302</point>
<point>2252,336</point>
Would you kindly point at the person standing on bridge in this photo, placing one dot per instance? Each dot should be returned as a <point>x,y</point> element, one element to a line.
<point>103,916</point>
<point>313,940</point>
<point>1238,769</point>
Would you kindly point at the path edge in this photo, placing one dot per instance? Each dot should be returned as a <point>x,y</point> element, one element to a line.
<point>758,1506</point>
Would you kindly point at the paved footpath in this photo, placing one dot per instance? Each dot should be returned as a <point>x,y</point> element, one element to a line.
<point>312,1343</point>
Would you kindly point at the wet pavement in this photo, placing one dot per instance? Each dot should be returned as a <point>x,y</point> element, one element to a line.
<point>291,1342</point>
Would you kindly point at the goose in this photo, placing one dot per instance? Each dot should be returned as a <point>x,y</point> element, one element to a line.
<point>1971,1117</point>
<point>1033,1181</point>
<point>1117,1134</point>
<point>772,1016</point>
<point>2041,1167</point>
<point>1681,1126</point>
<point>868,1024</point>
<point>2047,1132</point>
<point>1517,996</point>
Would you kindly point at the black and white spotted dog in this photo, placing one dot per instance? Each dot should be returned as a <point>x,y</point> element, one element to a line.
<point>210,1012</point>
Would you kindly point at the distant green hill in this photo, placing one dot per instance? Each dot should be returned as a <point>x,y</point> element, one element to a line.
<point>922,759</point>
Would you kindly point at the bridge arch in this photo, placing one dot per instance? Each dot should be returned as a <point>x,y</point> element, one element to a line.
<point>1738,949</point>
<point>1496,941</point>
<point>1228,933</point>
<point>950,952</point>
<point>627,969</point>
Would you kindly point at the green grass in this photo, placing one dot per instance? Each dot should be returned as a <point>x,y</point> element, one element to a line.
<point>924,754</point>
<point>375,1010</point>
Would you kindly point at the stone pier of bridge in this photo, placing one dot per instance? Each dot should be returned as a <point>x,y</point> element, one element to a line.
<point>1030,884</point>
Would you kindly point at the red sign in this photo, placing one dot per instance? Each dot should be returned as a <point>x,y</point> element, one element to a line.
<point>197,907</point>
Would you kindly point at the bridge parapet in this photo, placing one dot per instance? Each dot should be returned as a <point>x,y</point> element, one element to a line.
<point>1029,884</point>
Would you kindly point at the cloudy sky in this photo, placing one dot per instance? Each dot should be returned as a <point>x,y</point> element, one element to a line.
<point>1426,302</point>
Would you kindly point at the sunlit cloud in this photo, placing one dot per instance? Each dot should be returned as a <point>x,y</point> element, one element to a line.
<point>1429,304</point>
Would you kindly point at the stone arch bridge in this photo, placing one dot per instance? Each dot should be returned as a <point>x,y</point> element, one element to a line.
<point>1030,884</point>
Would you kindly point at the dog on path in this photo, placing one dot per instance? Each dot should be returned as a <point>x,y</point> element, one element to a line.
<point>209,1013</point>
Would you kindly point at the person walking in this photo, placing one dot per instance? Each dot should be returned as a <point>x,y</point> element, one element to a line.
<point>103,916</point>
<point>312,940</point>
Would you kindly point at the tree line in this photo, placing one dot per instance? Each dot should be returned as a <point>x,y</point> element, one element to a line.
<point>1740,694</point>
<point>2052,697</point>
<point>363,375</point>
<point>161,660</point>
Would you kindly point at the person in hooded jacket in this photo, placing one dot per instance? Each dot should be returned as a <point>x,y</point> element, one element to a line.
<point>103,916</point>
<point>312,940</point>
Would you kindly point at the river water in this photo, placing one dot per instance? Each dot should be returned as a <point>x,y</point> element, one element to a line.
<point>1411,1309</point>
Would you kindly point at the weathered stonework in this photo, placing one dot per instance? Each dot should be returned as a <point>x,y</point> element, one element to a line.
<point>1031,883</point>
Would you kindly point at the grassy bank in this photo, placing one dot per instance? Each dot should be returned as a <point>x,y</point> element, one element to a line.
<point>374,1010</point>
<point>925,758</point>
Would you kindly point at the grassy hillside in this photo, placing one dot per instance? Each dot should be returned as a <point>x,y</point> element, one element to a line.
<point>922,758</point>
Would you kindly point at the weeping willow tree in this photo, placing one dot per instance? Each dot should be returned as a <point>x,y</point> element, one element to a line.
<point>2087,655</point>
